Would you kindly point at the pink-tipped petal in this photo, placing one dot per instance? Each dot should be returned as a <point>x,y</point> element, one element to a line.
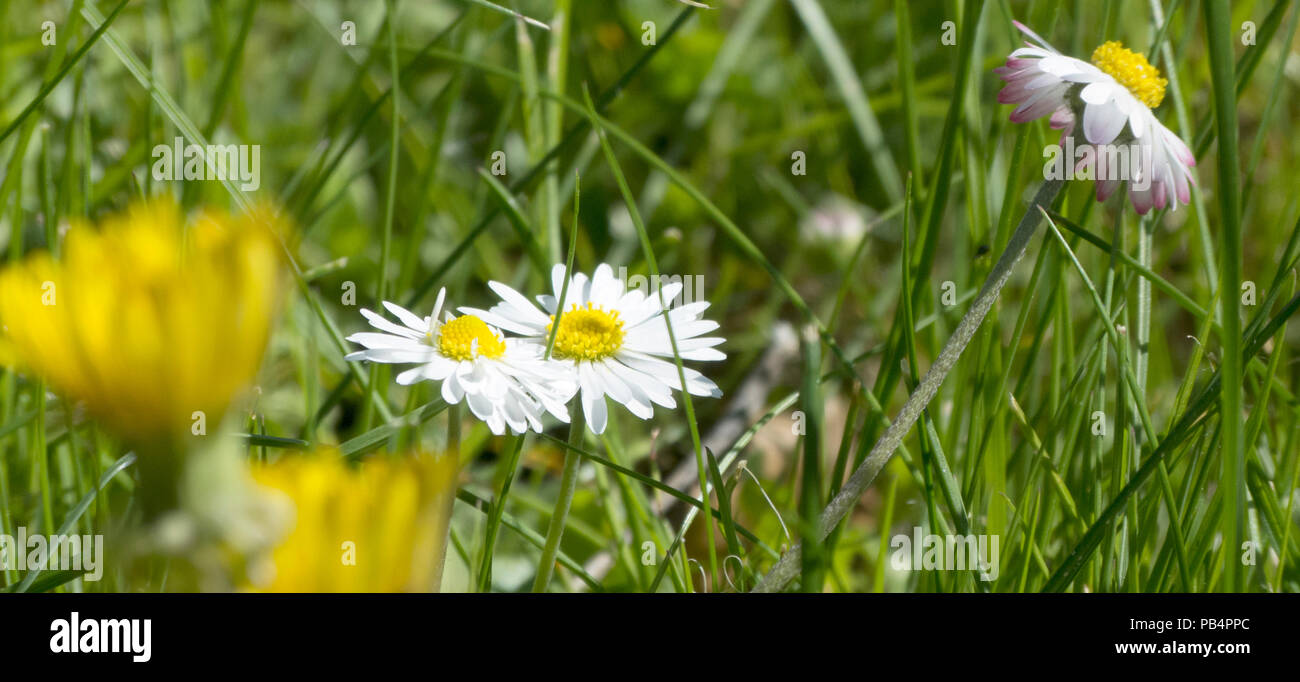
<point>1180,150</point>
<point>1011,95</point>
<point>1142,200</point>
<point>1105,188</point>
<point>1061,118</point>
<point>1029,32</point>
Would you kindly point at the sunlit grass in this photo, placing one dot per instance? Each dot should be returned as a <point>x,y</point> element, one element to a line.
<point>842,180</point>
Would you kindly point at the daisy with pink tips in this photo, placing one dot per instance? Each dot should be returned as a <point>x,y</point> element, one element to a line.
<point>1110,101</point>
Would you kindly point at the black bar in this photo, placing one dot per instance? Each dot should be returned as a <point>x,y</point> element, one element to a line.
<point>465,632</point>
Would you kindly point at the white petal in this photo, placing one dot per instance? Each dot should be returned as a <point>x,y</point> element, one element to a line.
<point>495,424</point>
<point>378,322</point>
<point>596,412</point>
<point>605,288</point>
<point>654,390</point>
<point>397,355</point>
<point>1061,66</point>
<point>613,386</point>
<point>1097,93</point>
<point>1137,122</point>
<point>1102,123</point>
<point>408,318</point>
<point>439,368</point>
<point>376,340</point>
<point>666,372</point>
<point>410,376</point>
<point>480,405</point>
<point>557,279</point>
<point>451,390</point>
<point>526,311</point>
<point>500,318</point>
<point>591,385</point>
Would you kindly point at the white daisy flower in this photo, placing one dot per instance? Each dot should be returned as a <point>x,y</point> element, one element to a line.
<point>505,381</point>
<point>613,340</point>
<point>1114,95</point>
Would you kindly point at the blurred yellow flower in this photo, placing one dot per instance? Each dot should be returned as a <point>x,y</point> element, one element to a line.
<point>380,527</point>
<point>146,321</point>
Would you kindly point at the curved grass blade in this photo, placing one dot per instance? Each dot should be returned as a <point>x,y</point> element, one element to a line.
<point>82,505</point>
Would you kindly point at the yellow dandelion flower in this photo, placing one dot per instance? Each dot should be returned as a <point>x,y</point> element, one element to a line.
<point>380,527</point>
<point>154,326</point>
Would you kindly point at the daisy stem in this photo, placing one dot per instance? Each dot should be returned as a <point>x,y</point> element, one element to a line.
<point>568,484</point>
<point>788,566</point>
<point>1142,358</point>
<point>1146,229</point>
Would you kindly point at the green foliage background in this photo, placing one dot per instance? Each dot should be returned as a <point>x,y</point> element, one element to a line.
<point>725,98</point>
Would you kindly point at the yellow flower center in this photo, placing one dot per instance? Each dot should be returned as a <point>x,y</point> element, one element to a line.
<point>467,337</point>
<point>1132,71</point>
<point>588,333</point>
